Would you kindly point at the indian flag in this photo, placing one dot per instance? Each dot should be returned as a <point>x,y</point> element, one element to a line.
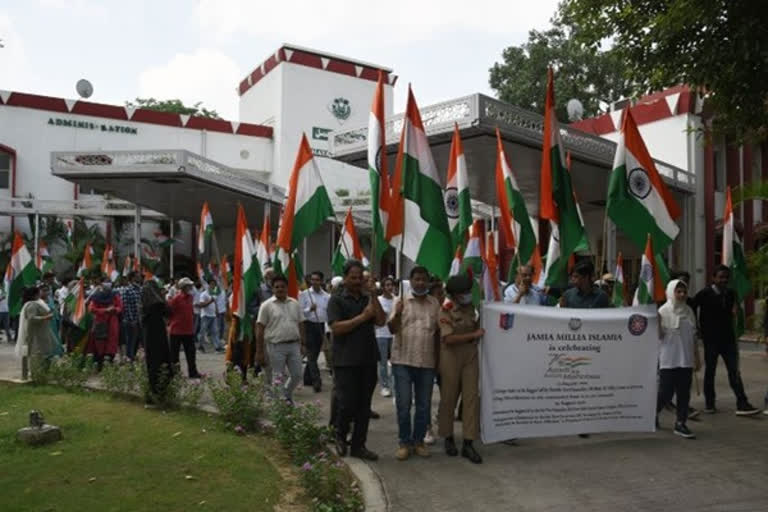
<point>79,310</point>
<point>538,267</point>
<point>108,267</point>
<point>456,261</point>
<point>87,262</point>
<point>472,260</point>
<point>491,288</point>
<point>650,289</point>
<point>733,258</point>
<point>458,206</point>
<point>515,222</point>
<point>23,274</point>
<point>206,228</point>
<point>247,274</point>
<point>306,208</point>
<point>638,200</point>
<point>44,261</point>
<point>557,200</point>
<point>377,171</point>
<point>349,246</point>
<point>618,287</point>
<point>69,226</point>
<point>264,245</point>
<point>426,238</point>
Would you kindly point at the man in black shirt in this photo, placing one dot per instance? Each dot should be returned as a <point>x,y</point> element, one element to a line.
<point>352,316</point>
<point>716,306</point>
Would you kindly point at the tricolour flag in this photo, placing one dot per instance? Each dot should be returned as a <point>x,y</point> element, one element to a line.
<point>515,221</point>
<point>426,238</point>
<point>638,200</point>
<point>377,171</point>
<point>458,205</point>
<point>618,286</point>
<point>23,274</point>
<point>557,200</point>
<point>456,261</point>
<point>69,226</point>
<point>247,274</point>
<point>538,268</point>
<point>306,208</point>
<point>264,245</point>
<point>491,289</point>
<point>108,267</point>
<point>472,260</point>
<point>205,228</point>
<point>650,289</point>
<point>349,246</point>
<point>44,261</point>
<point>79,310</point>
<point>87,262</point>
<point>164,240</point>
<point>733,258</point>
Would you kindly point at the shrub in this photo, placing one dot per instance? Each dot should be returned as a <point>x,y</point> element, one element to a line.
<point>328,483</point>
<point>240,402</point>
<point>71,371</point>
<point>299,428</point>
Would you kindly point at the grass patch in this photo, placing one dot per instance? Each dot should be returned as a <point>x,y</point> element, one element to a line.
<point>116,455</point>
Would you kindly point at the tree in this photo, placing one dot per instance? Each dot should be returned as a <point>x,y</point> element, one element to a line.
<point>717,46</point>
<point>594,77</point>
<point>174,106</point>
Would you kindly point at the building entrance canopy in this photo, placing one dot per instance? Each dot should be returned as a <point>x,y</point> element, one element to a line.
<point>174,183</point>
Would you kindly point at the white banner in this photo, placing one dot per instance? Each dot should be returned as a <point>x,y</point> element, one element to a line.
<point>555,371</point>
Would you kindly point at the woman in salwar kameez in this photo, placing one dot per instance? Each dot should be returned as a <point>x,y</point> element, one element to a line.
<point>35,339</point>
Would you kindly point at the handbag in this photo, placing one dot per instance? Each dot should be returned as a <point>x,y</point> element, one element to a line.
<point>100,331</point>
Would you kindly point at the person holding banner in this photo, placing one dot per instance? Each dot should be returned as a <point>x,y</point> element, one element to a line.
<point>678,354</point>
<point>414,322</point>
<point>522,291</point>
<point>584,295</point>
<point>459,367</point>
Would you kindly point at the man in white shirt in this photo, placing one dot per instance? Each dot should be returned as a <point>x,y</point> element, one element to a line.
<point>314,305</point>
<point>522,291</point>
<point>280,327</point>
<point>206,303</point>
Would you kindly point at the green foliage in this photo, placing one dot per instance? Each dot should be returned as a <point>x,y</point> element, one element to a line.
<point>718,46</point>
<point>593,76</point>
<point>240,403</point>
<point>70,371</point>
<point>174,106</point>
<point>328,482</point>
<point>132,379</point>
<point>298,427</point>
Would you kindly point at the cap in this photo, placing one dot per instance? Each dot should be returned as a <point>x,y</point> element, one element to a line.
<point>184,282</point>
<point>458,284</point>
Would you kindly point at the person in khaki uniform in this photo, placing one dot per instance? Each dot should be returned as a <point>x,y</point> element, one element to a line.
<point>459,367</point>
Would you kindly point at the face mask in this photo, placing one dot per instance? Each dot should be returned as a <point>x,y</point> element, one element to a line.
<point>464,299</point>
<point>420,293</point>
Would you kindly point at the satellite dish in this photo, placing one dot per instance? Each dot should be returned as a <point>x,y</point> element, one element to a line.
<point>575,110</point>
<point>84,88</point>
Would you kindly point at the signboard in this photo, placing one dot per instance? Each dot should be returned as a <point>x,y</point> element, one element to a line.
<point>557,371</point>
<point>89,125</point>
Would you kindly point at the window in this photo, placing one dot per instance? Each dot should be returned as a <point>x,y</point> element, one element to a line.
<point>5,170</point>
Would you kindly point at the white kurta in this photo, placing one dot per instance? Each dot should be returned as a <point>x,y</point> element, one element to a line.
<point>677,346</point>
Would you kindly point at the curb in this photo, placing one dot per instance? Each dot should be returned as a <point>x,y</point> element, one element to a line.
<point>371,484</point>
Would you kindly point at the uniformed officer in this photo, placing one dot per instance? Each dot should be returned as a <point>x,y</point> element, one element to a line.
<point>459,367</point>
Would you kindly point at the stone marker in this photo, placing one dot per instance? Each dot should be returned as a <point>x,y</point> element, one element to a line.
<point>38,432</point>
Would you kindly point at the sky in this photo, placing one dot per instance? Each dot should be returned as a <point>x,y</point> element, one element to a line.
<point>199,50</point>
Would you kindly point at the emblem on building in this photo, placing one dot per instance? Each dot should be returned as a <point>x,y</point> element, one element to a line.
<point>639,183</point>
<point>452,203</point>
<point>340,108</point>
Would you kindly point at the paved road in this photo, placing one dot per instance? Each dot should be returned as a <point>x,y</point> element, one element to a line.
<point>725,469</point>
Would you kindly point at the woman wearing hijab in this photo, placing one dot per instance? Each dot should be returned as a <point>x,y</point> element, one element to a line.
<point>678,353</point>
<point>157,352</point>
<point>34,339</point>
<point>106,306</point>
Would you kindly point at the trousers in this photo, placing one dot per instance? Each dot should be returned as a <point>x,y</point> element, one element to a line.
<point>729,351</point>
<point>188,342</point>
<point>459,371</point>
<point>282,356</point>
<point>675,381</point>
<point>314,336</point>
<point>412,381</point>
<point>353,390</point>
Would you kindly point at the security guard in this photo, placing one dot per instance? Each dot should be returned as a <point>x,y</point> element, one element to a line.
<point>459,367</point>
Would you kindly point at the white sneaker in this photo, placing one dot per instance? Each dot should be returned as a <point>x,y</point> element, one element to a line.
<point>429,438</point>
<point>765,412</point>
<point>385,392</point>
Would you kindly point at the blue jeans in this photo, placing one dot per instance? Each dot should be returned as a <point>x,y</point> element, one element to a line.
<point>417,382</point>
<point>385,344</point>
<point>209,326</point>
<point>131,337</point>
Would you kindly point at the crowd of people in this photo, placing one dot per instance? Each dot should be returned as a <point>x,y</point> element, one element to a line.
<point>406,337</point>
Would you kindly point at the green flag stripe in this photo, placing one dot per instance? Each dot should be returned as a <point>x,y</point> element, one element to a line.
<point>527,242</point>
<point>422,190</point>
<point>311,216</point>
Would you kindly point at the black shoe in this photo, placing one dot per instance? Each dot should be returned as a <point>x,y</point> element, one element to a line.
<point>468,451</point>
<point>364,453</point>
<point>746,409</point>
<point>450,447</point>
<point>710,409</point>
<point>670,406</point>
<point>375,415</point>
<point>584,436</point>
<point>341,448</point>
<point>682,431</point>
<point>318,387</point>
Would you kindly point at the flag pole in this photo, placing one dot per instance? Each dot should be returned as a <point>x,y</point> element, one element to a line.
<point>170,254</point>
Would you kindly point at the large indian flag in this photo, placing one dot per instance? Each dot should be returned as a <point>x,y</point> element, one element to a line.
<point>458,206</point>
<point>377,171</point>
<point>349,246</point>
<point>639,202</point>
<point>23,273</point>
<point>247,274</point>
<point>515,222</point>
<point>650,289</point>
<point>557,200</point>
<point>426,238</point>
<point>733,258</point>
<point>206,228</point>
<point>306,208</point>
<point>472,260</point>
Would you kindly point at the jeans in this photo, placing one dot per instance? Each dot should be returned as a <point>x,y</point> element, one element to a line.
<point>417,382</point>
<point>209,326</point>
<point>730,354</point>
<point>188,342</point>
<point>131,338</point>
<point>282,355</point>
<point>315,335</point>
<point>5,324</point>
<point>221,324</point>
<point>675,381</point>
<point>351,402</point>
<point>385,345</point>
